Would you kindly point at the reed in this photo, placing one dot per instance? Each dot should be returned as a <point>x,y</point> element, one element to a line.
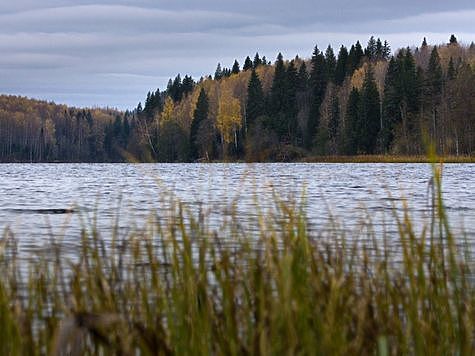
<point>178,286</point>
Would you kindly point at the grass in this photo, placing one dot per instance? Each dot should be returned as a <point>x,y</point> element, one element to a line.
<point>180,287</point>
<point>387,159</point>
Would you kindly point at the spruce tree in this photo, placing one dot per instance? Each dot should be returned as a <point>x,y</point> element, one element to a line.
<point>200,115</point>
<point>330,63</point>
<point>236,68</point>
<point>247,64</point>
<point>218,73</point>
<point>302,78</point>
<point>341,65</point>
<point>352,123</point>
<point>257,61</point>
<point>318,85</point>
<point>290,105</point>
<point>255,105</point>
<point>453,40</point>
<point>371,50</point>
<point>369,114</point>
<point>278,97</point>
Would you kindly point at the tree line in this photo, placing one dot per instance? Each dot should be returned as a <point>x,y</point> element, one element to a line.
<point>361,100</point>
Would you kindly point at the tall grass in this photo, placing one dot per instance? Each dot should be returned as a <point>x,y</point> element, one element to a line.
<point>180,287</point>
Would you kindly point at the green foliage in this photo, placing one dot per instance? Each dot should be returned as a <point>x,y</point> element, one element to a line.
<point>255,106</point>
<point>199,117</point>
<point>341,66</point>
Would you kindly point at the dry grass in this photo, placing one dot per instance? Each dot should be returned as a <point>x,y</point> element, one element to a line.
<point>180,288</point>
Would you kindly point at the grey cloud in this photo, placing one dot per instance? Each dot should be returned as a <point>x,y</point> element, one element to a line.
<point>85,53</point>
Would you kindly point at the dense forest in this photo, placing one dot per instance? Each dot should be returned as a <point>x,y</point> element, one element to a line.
<point>359,101</point>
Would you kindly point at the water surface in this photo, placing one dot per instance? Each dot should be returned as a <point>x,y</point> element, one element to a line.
<point>35,198</point>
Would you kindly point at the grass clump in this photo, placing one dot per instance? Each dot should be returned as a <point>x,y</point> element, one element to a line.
<point>179,287</point>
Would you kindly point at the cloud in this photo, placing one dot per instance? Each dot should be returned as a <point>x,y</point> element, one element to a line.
<point>84,53</point>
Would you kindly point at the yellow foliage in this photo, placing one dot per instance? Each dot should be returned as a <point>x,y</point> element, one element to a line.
<point>229,118</point>
<point>168,108</point>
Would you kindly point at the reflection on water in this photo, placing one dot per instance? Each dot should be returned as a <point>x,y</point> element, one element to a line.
<point>37,200</point>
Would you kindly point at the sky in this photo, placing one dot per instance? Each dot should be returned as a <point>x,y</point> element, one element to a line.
<point>110,53</point>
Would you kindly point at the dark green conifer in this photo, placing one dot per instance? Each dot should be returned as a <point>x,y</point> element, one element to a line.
<point>341,65</point>
<point>318,84</point>
<point>236,68</point>
<point>257,61</point>
<point>199,116</point>
<point>255,105</point>
<point>369,114</point>
<point>247,64</point>
<point>330,63</point>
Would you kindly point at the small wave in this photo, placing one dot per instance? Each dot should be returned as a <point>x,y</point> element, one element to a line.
<point>42,211</point>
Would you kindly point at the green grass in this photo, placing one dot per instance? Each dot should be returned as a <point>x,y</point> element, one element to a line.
<point>181,288</point>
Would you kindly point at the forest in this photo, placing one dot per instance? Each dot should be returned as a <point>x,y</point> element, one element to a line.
<point>362,100</point>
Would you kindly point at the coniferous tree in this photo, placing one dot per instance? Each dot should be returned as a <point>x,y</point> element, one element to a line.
<point>370,120</point>
<point>424,43</point>
<point>352,123</point>
<point>302,78</point>
<point>278,97</point>
<point>247,64</point>
<point>290,106</point>
<point>341,65</point>
<point>218,73</point>
<point>354,58</point>
<point>236,68</point>
<point>187,85</point>
<point>371,49</point>
<point>257,61</point>
<point>453,40</point>
<point>318,84</point>
<point>255,105</point>
<point>200,115</point>
<point>330,63</point>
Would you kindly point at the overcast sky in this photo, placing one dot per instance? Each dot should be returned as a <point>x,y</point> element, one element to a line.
<point>111,52</point>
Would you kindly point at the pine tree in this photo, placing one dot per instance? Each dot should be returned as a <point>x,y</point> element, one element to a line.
<point>330,62</point>
<point>341,65</point>
<point>369,114</point>
<point>187,85</point>
<point>200,115</point>
<point>236,68</point>
<point>247,64</point>
<point>424,43</point>
<point>318,84</point>
<point>255,106</point>
<point>453,40</point>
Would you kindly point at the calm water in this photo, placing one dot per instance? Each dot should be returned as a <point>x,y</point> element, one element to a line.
<point>351,192</point>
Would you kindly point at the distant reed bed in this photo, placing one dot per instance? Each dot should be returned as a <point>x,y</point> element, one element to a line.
<point>181,287</point>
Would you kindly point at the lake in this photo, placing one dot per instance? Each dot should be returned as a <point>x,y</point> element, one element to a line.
<point>353,193</point>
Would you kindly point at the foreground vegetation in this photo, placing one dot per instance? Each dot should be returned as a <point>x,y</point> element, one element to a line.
<point>177,287</point>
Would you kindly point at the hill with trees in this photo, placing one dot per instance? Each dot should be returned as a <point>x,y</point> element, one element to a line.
<point>363,100</point>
